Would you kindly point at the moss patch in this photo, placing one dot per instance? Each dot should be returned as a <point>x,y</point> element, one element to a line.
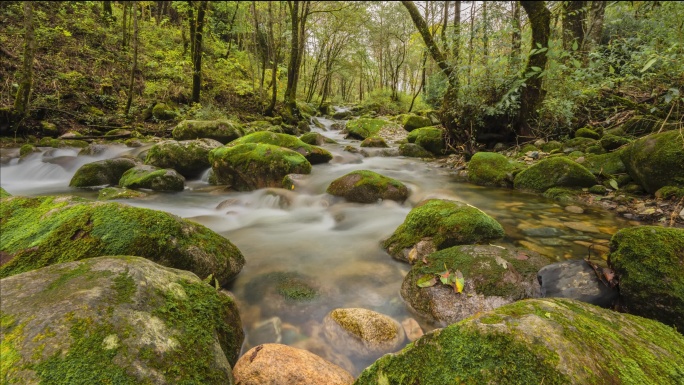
<point>414,151</point>
<point>430,138</point>
<point>363,128</point>
<point>656,160</point>
<point>152,178</point>
<point>491,169</point>
<point>605,164</point>
<point>110,193</point>
<point>101,173</point>
<point>222,130</point>
<point>412,122</point>
<point>4,193</point>
<point>554,172</point>
<point>313,154</point>
<point>365,186</point>
<point>188,157</point>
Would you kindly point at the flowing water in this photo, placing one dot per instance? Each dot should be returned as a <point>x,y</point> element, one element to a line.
<point>329,243</point>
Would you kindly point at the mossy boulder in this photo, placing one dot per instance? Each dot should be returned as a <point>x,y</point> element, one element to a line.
<point>222,130</point>
<point>119,320</point>
<point>315,139</point>
<point>670,192</point>
<point>492,276</point>
<point>554,172</point>
<point>313,154</point>
<point>611,142</point>
<point>152,178</point>
<point>551,145</point>
<point>106,172</point>
<point>491,169</point>
<point>649,263</point>
<point>430,138</point>
<point>441,223</point>
<point>656,160</point>
<point>189,157</point>
<point>110,193</point>
<point>563,194</point>
<point>48,128</point>
<point>4,193</point>
<point>535,341</point>
<point>44,231</point>
<point>27,149</point>
<point>413,150</point>
<point>605,164</point>
<point>363,128</point>
<point>365,186</point>
<point>578,144</point>
<point>163,112</point>
<point>587,133</point>
<point>256,165</point>
<point>362,332</point>
<point>411,122</point>
<point>374,142</point>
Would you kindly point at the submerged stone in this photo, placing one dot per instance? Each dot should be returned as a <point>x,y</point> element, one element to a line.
<point>575,280</point>
<point>37,232</point>
<point>121,320</point>
<point>365,186</point>
<point>374,142</point>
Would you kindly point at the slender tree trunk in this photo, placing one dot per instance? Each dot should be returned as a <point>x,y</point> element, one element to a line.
<point>193,25</point>
<point>533,94</point>
<point>456,45</point>
<point>470,43</point>
<point>515,37</point>
<point>445,22</point>
<point>422,83</point>
<point>595,29</point>
<point>274,58</point>
<point>107,8</point>
<point>197,52</point>
<point>21,102</point>
<point>573,24</point>
<point>298,24</point>
<point>134,64</point>
<point>124,27</point>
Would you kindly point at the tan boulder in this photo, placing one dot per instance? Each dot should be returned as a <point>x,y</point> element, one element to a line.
<point>363,332</point>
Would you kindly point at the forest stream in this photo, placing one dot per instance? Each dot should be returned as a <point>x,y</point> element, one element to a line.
<point>332,244</point>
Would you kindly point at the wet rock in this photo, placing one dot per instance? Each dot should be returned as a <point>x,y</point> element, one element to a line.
<point>604,164</point>
<point>550,341</point>
<point>281,364</point>
<point>319,346</point>
<point>102,173</point>
<point>256,165</point>
<point>492,276</point>
<point>38,232</point>
<point>285,294</point>
<point>611,142</point>
<point>365,186</point>
<point>110,193</point>
<point>412,329</point>
<point>153,178</point>
<point>315,139</point>
<point>362,332</point>
<point>363,128</point>
<point>554,172</point>
<point>648,261</point>
<point>120,320</point>
<point>94,149</point>
<point>491,169</point>
<point>314,154</point>
<point>446,223</point>
<point>374,142</point>
<point>411,122</point>
<point>189,157</point>
<point>414,151</point>
<point>656,161</point>
<point>430,138</point>
<point>222,130</point>
<point>575,280</point>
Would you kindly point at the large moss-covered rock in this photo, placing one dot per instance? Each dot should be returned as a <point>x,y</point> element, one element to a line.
<point>102,172</point>
<point>414,151</point>
<point>188,157</point>
<point>535,341</point>
<point>605,164</point>
<point>150,177</point>
<point>611,142</point>
<point>578,144</point>
<point>554,172</point>
<point>256,165</point>
<point>315,139</point>
<point>116,320</point>
<point>362,332</point>
<point>649,262</point>
<point>430,138</point>
<point>281,364</point>
<point>222,130</point>
<point>363,128</point>
<point>38,232</point>
<point>365,186</point>
<point>656,160</point>
<point>492,276</point>
<point>162,111</point>
<point>412,122</point>
<point>491,169</point>
<point>313,154</point>
<point>437,224</point>
<point>374,142</point>
<point>586,132</point>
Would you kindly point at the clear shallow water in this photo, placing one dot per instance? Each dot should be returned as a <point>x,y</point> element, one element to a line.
<point>332,244</point>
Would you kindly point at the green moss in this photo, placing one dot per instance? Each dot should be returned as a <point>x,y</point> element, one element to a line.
<point>291,286</point>
<point>415,151</point>
<point>125,287</point>
<point>554,172</point>
<point>4,193</point>
<point>669,192</point>
<point>449,223</point>
<point>110,193</point>
<point>430,138</point>
<point>491,169</point>
<point>563,194</point>
<point>551,145</point>
<point>87,361</point>
<point>163,112</point>
<point>315,139</point>
<point>412,122</point>
<point>43,231</point>
<point>188,157</point>
<point>648,261</point>
<point>605,164</point>
<point>313,154</point>
<point>256,165</point>
<point>152,178</point>
<point>222,130</point>
<point>656,160</point>
<point>101,173</point>
<point>12,335</point>
<point>527,148</point>
<point>374,142</point>
<point>611,142</point>
<point>363,128</point>
<point>27,149</point>
<point>365,186</point>
<point>578,144</point>
<point>587,133</point>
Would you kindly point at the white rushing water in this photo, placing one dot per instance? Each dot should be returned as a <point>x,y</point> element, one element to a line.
<point>334,244</point>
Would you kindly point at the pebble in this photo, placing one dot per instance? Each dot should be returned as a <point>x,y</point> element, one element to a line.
<point>574,209</point>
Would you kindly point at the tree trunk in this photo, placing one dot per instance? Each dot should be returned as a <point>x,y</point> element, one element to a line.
<point>456,46</point>
<point>274,58</point>
<point>595,29</point>
<point>573,24</point>
<point>472,36</point>
<point>515,37</point>
<point>533,94</point>
<point>134,65</point>
<point>297,24</point>
<point>124,27</point>
<point>21,102</point>
<point>197,52</point>
<point>107,8</point>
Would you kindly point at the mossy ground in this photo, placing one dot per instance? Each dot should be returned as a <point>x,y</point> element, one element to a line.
<point>4,193</point>
<point>43,231</point>
<point>449,223</point>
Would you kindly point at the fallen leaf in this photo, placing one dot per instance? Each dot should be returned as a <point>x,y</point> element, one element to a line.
<point>459,281</point>
<point>428,280</point>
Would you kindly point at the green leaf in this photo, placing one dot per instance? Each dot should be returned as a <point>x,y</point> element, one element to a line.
<point>611,69</point>
<point>613,183</point>
<point>649,64</point>
<point>444,277</point>
<point>575,46</point>
<point>459,281</point>
<point>535,69</point>
<point>428,280</point>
